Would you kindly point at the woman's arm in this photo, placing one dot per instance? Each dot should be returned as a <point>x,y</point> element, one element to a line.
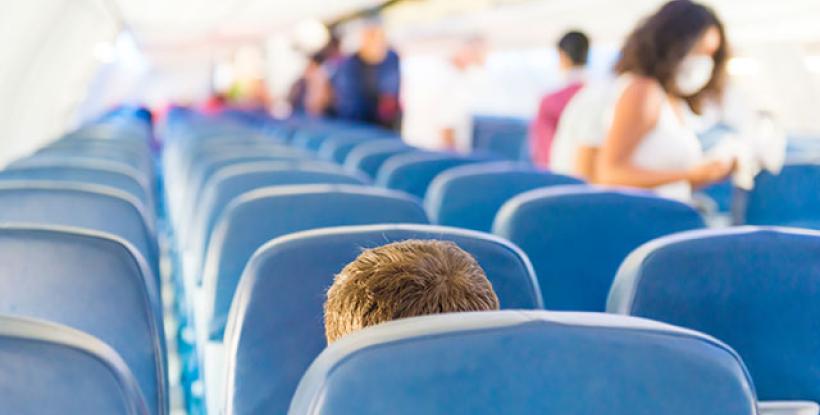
<point>585,160</point>
<point>636,114</point>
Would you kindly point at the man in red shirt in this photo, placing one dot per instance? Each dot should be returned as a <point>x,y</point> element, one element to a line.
<point>573,49</point>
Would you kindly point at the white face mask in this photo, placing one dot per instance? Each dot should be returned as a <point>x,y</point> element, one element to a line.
<point>694,72</point>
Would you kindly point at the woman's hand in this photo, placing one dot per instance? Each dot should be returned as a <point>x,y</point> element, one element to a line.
<point>710,172</point>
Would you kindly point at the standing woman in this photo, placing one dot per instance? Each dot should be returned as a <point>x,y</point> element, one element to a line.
<point>670,64</point>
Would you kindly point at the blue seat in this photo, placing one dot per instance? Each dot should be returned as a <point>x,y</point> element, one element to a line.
<point>470,196</point>
<point>756,289</point>
<point>134,159</point>
<point>526,362</point>
<point>137,145</point>
<point>92,174</point>
<point>336,149</point>
<point>313,141</point>
<point>504,136</point>
<point>48,369</point>
<point>80,205</point>
<point>577,236</point>
<point>368,157</point>
<point>204,168</point>
<point>276,328</point>
<point>38,160</point>
<point>232,181</point>
<point>264,214</point>
<point>412,173</point>
<point>791,198</point>
<point>91,282</point>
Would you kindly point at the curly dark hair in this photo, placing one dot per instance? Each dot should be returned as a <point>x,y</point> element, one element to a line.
<point>661,41</point>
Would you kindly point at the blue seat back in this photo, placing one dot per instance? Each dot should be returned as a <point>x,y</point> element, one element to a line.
<point>188,190</point>
<point>518,362</point>
<point>336,149</point>
<point>504,136</point>
<point>313,141</point>
<point>470,196</point>
<point>231,182</point>
<point>412,173</point>
<point>79,205</point>
<point>92,175</point>
<point>37,160</point>
<point>368,157</point>
<point>756,289</point>
<point>577,236</point>
<point>205,168</point>
<point>264,214</point>
<point>93,283</point>
<point>276,328</point>
<point>50,369</point>
<point>133,159</point>
<point>791,198</point>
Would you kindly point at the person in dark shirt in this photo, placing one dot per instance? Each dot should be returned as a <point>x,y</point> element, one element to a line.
<point>366,84</point>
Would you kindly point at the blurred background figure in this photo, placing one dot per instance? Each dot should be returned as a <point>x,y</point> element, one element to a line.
<point>312,94</point>
<point>440,116</point>
<point>366,84</point>
<point>669,65</point>
<point>452,111</point>
<point>573,52</point>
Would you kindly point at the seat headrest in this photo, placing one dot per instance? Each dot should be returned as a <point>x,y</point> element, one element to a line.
<point>526,362</point>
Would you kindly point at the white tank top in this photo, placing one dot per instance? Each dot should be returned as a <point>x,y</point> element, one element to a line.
<point>671,145</point>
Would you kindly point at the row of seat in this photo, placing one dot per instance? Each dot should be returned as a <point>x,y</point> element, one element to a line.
<point>81,318</point>
<point>560,227</point>
<point>262,215</point>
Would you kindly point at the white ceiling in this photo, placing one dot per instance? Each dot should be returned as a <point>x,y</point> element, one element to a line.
<point>168,26</point>
<point>173,24</point>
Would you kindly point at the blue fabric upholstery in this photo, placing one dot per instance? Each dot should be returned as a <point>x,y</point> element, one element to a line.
<point>48,369</point>
<point>232,181</point>
<point>577,236</point>
<point>368,157</point>
<point>264,214</point>
<point>412,173</point>
<point>526,362</point>
<point>791,198</point>
<point>85,174</point>
<point>276,327</point>
<point>93,283</point>
<point>79,205</point>
<point>756,289</point>
<point>470,196</point>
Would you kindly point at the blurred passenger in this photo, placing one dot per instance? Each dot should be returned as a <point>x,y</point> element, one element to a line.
<point>451,112</point>
<point>311,94</point>
<point>215,103</point>
<point>405,279</point>
<point>366,84</point>
<point>581,130</point>
<point>671,63</point>
<point>298,91</point>
<point>573,51</point>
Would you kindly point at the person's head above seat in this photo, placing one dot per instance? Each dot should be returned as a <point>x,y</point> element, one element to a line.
<point>405,279</point>
<point>683,46</point>
<point>373,45</point>
<point>573,50</point>
<point>471,51</point>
